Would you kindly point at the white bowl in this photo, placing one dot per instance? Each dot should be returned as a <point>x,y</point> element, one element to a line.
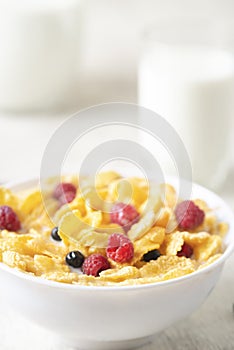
<point>113,317</point>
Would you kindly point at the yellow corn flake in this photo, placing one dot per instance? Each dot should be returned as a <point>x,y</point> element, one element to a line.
<point>117,265</point>
<point>9,234</point>
<point>150,241</point>
<point>95,250</point>
<point>173,273</point>
<point>136,281</point>
<point>90,281</point>
<point>31,202</point>
<point>172,224</point>
<point>177,272</point>
<point>110,228</point>
<point>9,199</point>
<point>31,244</point>
<point>105,218</point>
<point>103,179</point>
<point>163,217</point>
<point>140,191</point>
<point>93,238</point>
<point>14,259</point>
<point>140,263</point>
<point>60,276</point>
<point>102,193</point>
<point>37,219</point>
<point>172,244</point>
<point>128,190</point>
<point>85,225</point>
<point>117,275</point>
<point>60,213</point>
<point>71,224</point>
<point>143,226</point>
<point>167,265</point>
<point>222,229</point>
<point>169,196</point>
<point>201,204</point>
<point>93,218</point>
<point>51,206</point>
<point>27,262</point>
<point>153,202</point>
<point>17,243</point>
<point>92,199</point>
<point>72,227</point>
<point>119,190</point>
<point>209,261</point>
<point>209,224</point>
<point>41,246</point>
<point>77,204</point>
<point>195,239</point>
<point>155,235</point>
<point>44,264</point>
<point>212,246</point>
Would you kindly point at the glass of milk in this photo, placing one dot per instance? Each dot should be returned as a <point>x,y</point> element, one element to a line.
<point>186,74</point>
<point>40,53</point>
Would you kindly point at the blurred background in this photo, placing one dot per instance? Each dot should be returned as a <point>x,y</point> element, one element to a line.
<point>57,57</point>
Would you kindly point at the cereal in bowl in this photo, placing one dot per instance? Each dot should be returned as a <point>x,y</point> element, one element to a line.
<point>122,231</point>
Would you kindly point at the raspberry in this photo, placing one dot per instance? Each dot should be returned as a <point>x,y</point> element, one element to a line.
<point>124,215</point>
<point>120,248</point>
<point>8,219</point>
<point>67,197</point>
<point>65,192</point>
<point>94,264</point>
<point>186,251</point>
<point>189,215</point>
<point>62,188</point>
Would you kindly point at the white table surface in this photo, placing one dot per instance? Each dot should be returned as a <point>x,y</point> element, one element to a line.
<point>211,327</point>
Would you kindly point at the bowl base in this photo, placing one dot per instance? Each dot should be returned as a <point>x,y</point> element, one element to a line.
<point>82,344</point>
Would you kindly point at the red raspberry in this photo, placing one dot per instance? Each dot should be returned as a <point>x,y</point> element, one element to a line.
<point>186,251</point>
<point>124,215</point>
<point>65,192</point>
<point>67,197</point>
<point>94,264</point>
<point>189,215</point>
<point>8,219</point>
<point>120,248</point>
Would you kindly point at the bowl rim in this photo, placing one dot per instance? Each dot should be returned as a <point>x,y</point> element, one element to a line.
<point>61,285</point>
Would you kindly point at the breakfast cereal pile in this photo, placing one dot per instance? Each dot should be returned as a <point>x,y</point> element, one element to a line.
<point>122,231</point>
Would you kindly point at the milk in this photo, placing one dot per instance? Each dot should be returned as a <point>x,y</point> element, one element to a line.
<point>192,88</point>
<point>40,53</point>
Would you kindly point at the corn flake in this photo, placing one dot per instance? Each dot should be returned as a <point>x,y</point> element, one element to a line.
<point>167,265</point>
<point>150,241</point>
<point>85,225</point>
<point>142,227</point>
<point>117,275</point>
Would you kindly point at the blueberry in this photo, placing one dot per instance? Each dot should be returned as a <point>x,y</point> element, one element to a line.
<point>75,258</point>
<point>152,255</point>
<point>55,235</point>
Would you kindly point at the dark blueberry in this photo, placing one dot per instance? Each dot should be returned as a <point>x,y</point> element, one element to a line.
<point>152,255</point>
<point>75,258</point>
<point>55,235</point>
